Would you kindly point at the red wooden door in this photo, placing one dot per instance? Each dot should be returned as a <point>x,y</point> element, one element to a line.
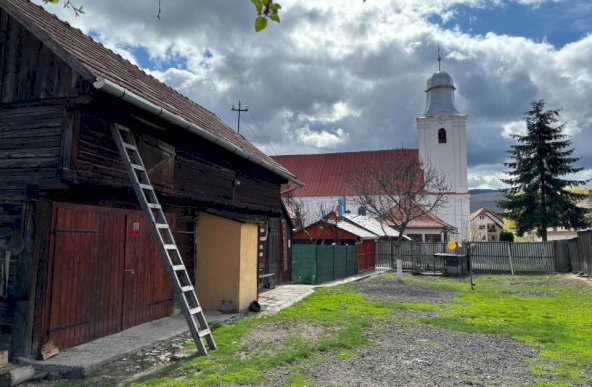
<point>148,293</point>
<point>89,293</point>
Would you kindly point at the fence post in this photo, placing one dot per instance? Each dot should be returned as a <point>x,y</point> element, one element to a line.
<point>317,264</point>
<point>333,274</point>
<point>510,258</point>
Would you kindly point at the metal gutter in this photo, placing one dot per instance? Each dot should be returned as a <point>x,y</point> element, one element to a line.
<point>117,91</point>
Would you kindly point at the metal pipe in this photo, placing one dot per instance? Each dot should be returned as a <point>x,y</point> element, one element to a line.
<point>125,95</point>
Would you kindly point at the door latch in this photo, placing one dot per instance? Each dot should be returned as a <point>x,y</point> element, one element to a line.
<point>133,271</point>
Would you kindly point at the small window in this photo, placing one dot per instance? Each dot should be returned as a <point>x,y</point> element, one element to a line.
<point>442,136</point>
<point>361,210</point>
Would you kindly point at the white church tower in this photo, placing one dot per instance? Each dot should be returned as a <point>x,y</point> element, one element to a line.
<point>443,145</point>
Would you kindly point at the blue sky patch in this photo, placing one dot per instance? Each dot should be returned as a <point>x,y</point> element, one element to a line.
<point>556,23</point>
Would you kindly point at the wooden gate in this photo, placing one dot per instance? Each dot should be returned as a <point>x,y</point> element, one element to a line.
<point>104,274</point>
<point>366,255</point>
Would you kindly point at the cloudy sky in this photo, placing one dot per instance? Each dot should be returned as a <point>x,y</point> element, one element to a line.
<point>344,75</point>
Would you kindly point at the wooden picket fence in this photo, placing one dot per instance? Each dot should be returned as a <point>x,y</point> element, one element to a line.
<point>577,252</point>
<point>527,257</point>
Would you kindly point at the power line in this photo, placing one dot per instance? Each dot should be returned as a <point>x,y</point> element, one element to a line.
<point>262,133</point>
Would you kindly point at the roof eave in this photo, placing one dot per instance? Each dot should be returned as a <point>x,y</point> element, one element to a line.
<point>117,91</point>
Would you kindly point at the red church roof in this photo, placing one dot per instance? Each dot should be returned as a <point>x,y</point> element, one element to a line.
<point>329,174</point>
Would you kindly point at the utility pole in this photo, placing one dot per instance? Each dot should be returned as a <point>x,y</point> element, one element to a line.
<point>239,110</point>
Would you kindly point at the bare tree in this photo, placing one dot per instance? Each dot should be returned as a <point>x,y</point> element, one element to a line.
<point>302,217</point>
<point>398,189</point>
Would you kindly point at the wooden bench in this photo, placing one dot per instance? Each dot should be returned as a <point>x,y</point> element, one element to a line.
<point>267,280</point>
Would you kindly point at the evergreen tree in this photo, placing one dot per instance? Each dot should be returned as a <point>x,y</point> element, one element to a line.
<point>539,195</point>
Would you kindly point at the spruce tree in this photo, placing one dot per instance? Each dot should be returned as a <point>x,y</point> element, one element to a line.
<point>541,162</point>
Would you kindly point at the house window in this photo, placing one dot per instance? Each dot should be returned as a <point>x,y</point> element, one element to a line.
<point>481,217</point>
<point>361,210</point>
<point>482,227</point>
<point>442,136</point>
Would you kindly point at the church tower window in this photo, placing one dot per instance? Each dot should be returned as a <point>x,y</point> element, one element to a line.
<point>442,136</point>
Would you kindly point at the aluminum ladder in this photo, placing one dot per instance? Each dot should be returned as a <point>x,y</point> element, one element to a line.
<point>163,236</point>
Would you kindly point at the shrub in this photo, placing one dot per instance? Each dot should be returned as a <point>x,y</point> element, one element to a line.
<point>506,236</point>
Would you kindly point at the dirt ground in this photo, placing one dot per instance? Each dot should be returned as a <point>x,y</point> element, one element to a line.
<point>403,352</point>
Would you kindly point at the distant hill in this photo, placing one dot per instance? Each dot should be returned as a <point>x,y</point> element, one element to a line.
<point>486,198</point>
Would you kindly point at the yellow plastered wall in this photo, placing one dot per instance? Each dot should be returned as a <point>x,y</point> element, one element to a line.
<point>248,272</point>
<point>226,262</point>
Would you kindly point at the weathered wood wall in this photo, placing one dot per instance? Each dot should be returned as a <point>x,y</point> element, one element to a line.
<point>28,68</point>
<point>30,145</point>
<point>181,165</point>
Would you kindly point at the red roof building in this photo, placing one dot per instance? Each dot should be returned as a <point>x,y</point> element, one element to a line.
<point>329,174</point>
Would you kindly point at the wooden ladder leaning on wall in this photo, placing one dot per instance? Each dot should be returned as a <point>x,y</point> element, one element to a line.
<point>163,236</point>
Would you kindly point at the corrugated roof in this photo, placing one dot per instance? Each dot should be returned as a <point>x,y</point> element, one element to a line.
<point>356,230</point>
<point>329,174</point>
<point>94,61</point>
<point>372,225</point>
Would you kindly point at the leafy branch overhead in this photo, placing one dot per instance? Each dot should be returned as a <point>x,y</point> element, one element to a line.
<point>68,4</point>
<point>266,9</point>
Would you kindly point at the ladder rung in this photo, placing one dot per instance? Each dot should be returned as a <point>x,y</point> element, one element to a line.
<point>162,225</point>
<point>123,129</point>
<point>170,247</point>
<point>178,267</point>
<point>186,288</point>
<point>146,186</point>
<point>154,206</point>
<point>138,167</point>
<point>204,333</point>
<point>195,310</point>
<point>129,146</point>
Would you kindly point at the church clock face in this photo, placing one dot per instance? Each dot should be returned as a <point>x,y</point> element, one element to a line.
<point>441,118</point>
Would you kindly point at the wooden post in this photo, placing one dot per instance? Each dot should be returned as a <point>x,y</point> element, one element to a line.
<point>510,258</point>
<point>470,266</point>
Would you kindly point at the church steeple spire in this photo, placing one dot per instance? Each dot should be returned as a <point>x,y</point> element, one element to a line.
<point>439,59</point>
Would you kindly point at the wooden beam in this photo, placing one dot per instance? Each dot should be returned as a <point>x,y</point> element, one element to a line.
<point>39,274</point>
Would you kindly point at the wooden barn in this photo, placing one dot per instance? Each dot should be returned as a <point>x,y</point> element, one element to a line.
<point>78,261</point>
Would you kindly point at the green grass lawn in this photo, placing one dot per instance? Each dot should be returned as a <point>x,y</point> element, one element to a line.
<point>552,312</point>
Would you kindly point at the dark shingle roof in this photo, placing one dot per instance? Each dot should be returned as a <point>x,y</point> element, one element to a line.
<point>94,61</point>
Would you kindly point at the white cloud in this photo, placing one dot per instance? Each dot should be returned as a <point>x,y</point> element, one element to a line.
<point>322,138</point>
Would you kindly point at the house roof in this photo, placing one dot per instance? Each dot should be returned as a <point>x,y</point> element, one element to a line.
<point>356,230</point>
<point>372,225</point>
<point>490,214</point>
<point>95,62</point>
<point>329,174</point>
<point>424,220</point>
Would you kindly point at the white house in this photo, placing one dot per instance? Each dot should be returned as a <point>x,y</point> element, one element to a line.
<point>485,225</point>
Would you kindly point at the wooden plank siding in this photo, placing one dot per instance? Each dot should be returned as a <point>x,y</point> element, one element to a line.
<point>28,68</point>
<point>180,165</point>
<point>30,145</point>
